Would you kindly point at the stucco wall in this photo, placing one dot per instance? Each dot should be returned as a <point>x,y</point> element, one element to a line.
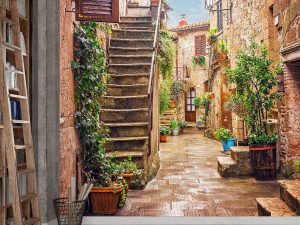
<point>69,143</point>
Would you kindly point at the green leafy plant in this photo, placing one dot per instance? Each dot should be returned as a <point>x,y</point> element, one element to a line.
<point>176,90</point>
<point>198,60</point>
<point>165,130</point>
<point>174,124</point>
<point>255,82</point>
<point>182,124</point>
<point>213,31</point>
<point>223,134</point>
<point>126,166</point>
<point>90,73</point>
<point>223,46</point>
<point>164,96</point>
<point>278,68</point>
<point>166,54</point>
<point>297,166</point>
<point>197,101</point>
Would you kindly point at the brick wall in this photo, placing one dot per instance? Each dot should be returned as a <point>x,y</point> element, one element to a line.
<point>69,142</point>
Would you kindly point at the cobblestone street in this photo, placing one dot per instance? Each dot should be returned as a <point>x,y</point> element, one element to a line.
<point>188,184</point>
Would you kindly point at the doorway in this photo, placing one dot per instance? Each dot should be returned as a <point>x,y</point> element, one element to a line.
<point>190,108</point>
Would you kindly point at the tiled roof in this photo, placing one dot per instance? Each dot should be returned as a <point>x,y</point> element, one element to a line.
<point>191,26</point>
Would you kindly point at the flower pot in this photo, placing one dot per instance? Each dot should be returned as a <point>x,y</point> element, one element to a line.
<point>181,131</point>
<point>228,144</point>
<point>172,104</point>
<point>105,200</point>
<point>175,132</point>
<point>163,138</point>
<point>263,159</point>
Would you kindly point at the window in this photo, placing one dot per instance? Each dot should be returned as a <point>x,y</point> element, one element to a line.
<point>200,45</point>
<point>220,16</point>
<point>98,11</point>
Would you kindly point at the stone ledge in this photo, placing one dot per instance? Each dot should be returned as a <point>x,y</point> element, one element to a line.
<point>226,166</point>
<point>273,207</point>
<point>240,152</point>
<point>290,193</point>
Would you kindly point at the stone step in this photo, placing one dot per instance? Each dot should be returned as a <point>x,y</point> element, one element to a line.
<point>131,43</point>
<point>132,33</point>
<point>124,115</point>
<point>240,153</point>
<point>139,11</point>
<point>226,166</point>
<point>127,79</point>
<point>127,90</point>
<point>129,68</point>
<point>136,18</point>
<point>125,154</point>
<point>121,144</point>
<point>128,131</point>
<point>130,59</point>
<point>290,193</point>
<point>131,51</point>
<point>125,102</point>
<point>125,24</point>
<point>138,28</point>
<point>273,207</point>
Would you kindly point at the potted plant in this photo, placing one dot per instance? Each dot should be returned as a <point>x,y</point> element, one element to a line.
<point>222,50</point>
<point>175,128</point>
<point>255,83</point>
<point>182,126</point>
<point>198,60</point>
<point>164,131</point>
<point>204,103</point>
<point>176,91</point>
<point>225,136</point>
<point>197,101</point>
<point>212,35</point>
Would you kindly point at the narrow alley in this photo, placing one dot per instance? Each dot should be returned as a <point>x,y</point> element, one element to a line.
<point>188,184</point>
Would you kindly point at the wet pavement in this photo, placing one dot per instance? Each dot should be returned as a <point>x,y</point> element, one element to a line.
<point>188,184</point>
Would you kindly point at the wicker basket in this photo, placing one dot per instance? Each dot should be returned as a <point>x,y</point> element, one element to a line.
<point>69,213</point>
<point>105,200</point>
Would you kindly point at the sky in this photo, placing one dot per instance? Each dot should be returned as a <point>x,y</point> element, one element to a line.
<point>194,10</point>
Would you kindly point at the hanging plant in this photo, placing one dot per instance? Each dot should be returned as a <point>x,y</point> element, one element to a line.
<point>176,90</point>
<point>198,60</point>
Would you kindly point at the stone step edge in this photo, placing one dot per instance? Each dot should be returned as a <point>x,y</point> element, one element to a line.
<point>290,194</point>
<point>133,30</point>
<point>132,48</point>
<point>125,154</point>
<point>121,139</point>
<point>130,64</point>
<point>127,97</point>
<point>133,39</point>
<point>125,110</point>
<point>142,124</point>
<point>126,85</point>
<point>130,56</point>
<point>130,75</point>
<point>273,207</point>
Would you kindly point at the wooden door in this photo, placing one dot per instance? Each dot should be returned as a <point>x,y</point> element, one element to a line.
<point>190,108</point>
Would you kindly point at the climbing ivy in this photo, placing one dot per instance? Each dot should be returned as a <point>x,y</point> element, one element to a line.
<point>90,73</point>
<point>166,54</point>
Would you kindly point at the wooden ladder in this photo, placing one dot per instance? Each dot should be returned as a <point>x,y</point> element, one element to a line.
<point>25,208</point>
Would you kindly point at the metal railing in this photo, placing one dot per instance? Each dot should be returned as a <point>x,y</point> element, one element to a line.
<point>151,78</point>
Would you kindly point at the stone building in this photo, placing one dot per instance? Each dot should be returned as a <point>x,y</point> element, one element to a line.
<point>274,23</point>
<point>190,41</point>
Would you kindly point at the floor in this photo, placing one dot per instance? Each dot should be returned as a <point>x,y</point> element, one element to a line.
<point>188,184</point>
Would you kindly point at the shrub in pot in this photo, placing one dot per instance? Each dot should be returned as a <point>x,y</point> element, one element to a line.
<point>182,126</point>
<point>255,84</point>
<point>225,136</point>
<point>175,128</point>
<point>164,131</point>
<point>212,35</point>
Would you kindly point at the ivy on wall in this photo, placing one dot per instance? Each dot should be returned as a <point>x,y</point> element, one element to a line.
<point>90,73</point>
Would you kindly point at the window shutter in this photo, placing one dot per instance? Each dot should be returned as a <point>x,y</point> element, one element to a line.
<point>98,10</point>
<point>200,45</point>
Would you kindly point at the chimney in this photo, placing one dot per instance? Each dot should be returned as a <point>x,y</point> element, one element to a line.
<point>183,21</point>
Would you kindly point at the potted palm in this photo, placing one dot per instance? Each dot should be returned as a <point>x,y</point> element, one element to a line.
<point>175,128</point>
<point>164,131</point>
<point>225,136</point>
<point>255,84</point>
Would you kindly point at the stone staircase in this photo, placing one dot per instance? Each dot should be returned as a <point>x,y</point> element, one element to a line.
<point>125,108</point>
<point>238,163</point>
<point>168,116</point>
<point>287,205</point>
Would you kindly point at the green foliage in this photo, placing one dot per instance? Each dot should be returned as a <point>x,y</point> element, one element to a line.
<point>166,54</point>
<point>278,68</point>
<point>236,105</point>
<point>176,90</point>
<point>205,101</point>
<point>198,60</point>
<point>223,134</point>
<point>123,196</point>
<point>182,124</point>
<point>197,101</point>
<point>254,83</point>
<point>164,96</point>
<point>263,139</point>
<point>213,31</point>
<point>90,71</point>
<point>174,124</point>
<point>126,166</point>
<point>297,166</point>
<point>164,130</point>
<point>223,46</point>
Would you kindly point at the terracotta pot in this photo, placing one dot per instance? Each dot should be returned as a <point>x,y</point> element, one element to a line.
<point>163,138</point>
<point>105,200</point>
<point>222,56</point>
<point>172,104</point>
